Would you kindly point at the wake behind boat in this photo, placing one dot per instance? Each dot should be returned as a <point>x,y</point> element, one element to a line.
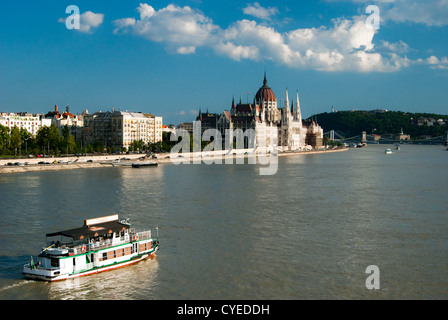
<point>102,244</point>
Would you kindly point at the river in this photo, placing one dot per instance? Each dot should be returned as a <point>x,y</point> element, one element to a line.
<point>226,232</point>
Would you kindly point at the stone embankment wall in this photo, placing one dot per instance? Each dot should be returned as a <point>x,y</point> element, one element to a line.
<point>106,161</point>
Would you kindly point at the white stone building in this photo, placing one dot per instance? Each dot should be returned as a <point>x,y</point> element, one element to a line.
<point>31,122</point>
<point>122,128</point>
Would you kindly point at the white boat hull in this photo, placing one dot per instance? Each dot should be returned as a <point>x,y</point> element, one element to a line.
<point>51,275</point>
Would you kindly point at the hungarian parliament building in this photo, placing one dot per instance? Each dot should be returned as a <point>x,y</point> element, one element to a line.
<point>273,127</point>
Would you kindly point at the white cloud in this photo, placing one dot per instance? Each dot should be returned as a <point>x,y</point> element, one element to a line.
<point>428,12</point>
<point>121,24</point>
<point>181,29</point>
<point>258,11</point>
<point>436,63</point>
<point>398,47</point>
<point>346,45</point>
<point>186,50</point>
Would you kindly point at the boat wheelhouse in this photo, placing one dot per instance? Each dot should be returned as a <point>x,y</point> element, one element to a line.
<point>102,244</point>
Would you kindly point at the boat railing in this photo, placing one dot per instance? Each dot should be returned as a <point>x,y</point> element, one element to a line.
<point>140,234</point>
<point>103,244</point>
<point>79,248</point>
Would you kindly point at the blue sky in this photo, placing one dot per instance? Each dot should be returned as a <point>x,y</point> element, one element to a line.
<point>171,58</point>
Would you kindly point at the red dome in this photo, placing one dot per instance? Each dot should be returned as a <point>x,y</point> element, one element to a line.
<point>265,93</point>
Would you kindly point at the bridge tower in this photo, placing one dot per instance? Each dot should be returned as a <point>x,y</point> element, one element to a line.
<point>363,137</point>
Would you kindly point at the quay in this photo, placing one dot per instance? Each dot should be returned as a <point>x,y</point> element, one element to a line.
<point>86,162</point>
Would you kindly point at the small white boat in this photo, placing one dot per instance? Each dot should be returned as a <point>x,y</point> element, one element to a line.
<point>102,244</point>
<point>388,151</point>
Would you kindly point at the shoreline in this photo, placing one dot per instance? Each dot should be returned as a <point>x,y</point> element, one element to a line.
<point>106,161</point>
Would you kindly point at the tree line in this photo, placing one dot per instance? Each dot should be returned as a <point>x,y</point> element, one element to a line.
<point>352,123</point>
<point>17,142</point>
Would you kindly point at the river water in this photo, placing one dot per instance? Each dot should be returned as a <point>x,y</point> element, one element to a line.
<point>226,232</point>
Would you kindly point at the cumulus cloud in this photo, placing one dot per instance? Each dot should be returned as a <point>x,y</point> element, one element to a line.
<point>181,29</point>
<point>258,11</point>
<point>428,12</point>
<point>436,63</point>
<point>346,45</point>
<point>87,21</point>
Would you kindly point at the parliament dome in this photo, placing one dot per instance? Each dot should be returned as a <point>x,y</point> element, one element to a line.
<point>265,93</point>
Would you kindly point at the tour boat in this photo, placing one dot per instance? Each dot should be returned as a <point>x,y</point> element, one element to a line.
<point>102,244</point>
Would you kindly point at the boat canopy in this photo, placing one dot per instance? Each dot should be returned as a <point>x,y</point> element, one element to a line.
<point>92,231</point>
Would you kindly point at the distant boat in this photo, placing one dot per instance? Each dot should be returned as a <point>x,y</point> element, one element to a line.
<point>388,151</point>
<point>144,164</point>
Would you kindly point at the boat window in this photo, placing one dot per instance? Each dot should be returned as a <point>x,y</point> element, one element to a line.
<point>55,262</point>
<point>104,256</point>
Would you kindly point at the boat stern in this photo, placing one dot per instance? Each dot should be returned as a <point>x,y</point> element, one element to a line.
<point>35,272</point>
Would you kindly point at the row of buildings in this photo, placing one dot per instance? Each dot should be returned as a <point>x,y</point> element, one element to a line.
<point>113,128</point>
<point>281,127</point>
<point>272,126</point>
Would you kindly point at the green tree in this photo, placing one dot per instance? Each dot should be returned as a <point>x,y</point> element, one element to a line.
<point>49,140</point>
<point>4,138</point>
<point>16,139</point>
<point>28,141</point>
<point>70,144</point>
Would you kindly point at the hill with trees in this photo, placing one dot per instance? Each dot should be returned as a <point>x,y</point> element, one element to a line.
<point>352,123</point>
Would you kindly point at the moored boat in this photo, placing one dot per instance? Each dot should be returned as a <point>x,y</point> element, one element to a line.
<point>144,164</point>
<point>102,244</point>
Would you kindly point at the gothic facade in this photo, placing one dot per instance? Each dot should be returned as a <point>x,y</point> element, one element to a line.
<point>273,127</point>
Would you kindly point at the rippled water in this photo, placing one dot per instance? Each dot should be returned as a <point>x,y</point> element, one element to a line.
<point>307,232</point>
